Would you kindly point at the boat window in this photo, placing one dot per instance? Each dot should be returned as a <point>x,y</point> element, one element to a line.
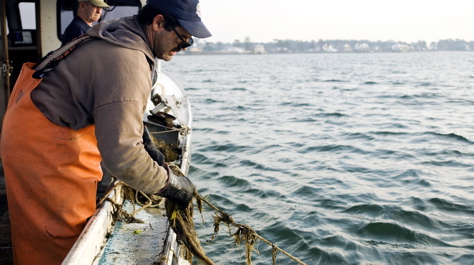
<point>118,8</point>
<point>22,30</point>
<point>20,15</point>
<point>27,15</point>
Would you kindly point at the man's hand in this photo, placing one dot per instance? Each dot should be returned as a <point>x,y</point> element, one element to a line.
<point>179,189</point>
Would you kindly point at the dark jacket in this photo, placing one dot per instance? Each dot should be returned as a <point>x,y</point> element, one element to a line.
<point>76,28</point>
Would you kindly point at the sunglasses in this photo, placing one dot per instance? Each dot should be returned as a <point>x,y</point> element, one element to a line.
<point>184,44</point>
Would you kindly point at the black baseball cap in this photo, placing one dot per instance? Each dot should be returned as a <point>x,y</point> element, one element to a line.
<point>187,12</point>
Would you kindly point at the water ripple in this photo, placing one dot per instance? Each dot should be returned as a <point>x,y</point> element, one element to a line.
<point>383,232</point>
<point>337,158</point>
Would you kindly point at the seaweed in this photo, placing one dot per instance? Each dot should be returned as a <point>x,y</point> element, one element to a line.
<point>243,234</point>
<point>181,221</point>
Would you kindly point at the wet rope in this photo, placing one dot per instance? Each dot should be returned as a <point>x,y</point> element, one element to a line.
<point>181,221</point>
<point>132,195</point>
<point>247,233</point>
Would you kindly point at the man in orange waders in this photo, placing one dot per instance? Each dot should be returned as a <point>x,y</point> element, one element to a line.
<point>63,120</point>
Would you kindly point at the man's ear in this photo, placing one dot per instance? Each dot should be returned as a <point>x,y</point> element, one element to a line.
<point>158,22</point>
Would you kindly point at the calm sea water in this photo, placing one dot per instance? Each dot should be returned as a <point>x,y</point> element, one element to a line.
<point>336,158</point>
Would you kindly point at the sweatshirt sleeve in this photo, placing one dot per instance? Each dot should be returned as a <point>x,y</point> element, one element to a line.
<point>119,129</point>
<point>120,102</point>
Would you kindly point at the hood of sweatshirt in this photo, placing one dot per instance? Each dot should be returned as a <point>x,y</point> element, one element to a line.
<point>126,32</point>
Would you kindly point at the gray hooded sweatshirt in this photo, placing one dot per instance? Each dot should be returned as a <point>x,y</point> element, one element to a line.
<point>106,81</point>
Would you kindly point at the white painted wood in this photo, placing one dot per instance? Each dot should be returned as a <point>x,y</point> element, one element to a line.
<point>93,237</point>
<point>49,38</point>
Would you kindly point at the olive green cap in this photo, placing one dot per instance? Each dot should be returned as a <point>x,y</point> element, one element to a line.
<point>97,3</point>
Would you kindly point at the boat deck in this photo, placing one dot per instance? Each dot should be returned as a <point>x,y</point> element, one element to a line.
<point>136,243</point>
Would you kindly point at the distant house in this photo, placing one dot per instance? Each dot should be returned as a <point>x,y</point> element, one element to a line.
<point>347,48</point>
<point>259,49</point>
<point>232,49</point>
<point>362,47</point>
<point>401,47</point>
<point>328,48</point>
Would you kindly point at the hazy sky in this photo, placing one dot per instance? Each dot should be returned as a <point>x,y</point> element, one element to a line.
<point>400,20</point>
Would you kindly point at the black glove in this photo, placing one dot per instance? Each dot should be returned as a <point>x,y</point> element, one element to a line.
<point>179,189</point>
<point>155,154</point>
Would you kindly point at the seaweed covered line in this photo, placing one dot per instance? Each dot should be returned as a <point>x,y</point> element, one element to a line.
<point>243,234</point>
<point>181,221</point>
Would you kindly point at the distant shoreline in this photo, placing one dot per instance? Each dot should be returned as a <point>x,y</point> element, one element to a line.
<point>269,53</point>
<point>328,46</point>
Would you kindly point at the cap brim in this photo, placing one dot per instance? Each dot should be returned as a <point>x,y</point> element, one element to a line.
<point>197,28</point>
<point>99,3</point>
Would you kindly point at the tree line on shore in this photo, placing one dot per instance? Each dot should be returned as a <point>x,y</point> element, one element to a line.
<point>330,46</point>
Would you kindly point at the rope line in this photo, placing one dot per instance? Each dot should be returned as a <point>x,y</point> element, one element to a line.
<point>243,231</point>
<point>240,226</point>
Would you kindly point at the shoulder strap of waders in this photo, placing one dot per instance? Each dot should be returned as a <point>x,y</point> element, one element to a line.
<point>51,60</point>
